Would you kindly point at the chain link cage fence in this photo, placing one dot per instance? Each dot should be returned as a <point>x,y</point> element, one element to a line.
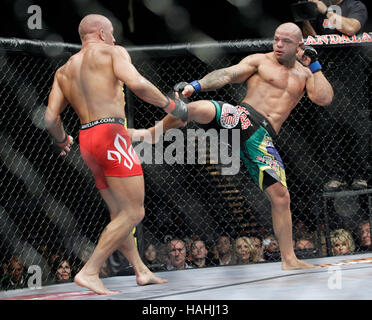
<point>51,214</point>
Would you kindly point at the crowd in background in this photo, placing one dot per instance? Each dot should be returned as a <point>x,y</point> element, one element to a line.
<point>194,252</point>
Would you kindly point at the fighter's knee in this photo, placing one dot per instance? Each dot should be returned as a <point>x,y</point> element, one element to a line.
<point>281,197</point>
<point>141,214</point>
<point>137,214</point>
<point>202,111</point>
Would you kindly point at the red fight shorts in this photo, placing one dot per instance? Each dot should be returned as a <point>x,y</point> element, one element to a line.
<point>107,150</point>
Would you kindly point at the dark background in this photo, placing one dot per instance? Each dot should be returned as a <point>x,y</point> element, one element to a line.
<point>174,21</point>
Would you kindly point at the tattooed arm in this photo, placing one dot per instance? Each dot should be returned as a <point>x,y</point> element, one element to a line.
<point>235,74</point>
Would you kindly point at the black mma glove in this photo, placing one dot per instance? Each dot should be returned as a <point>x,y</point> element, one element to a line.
<point>177,108</point>
<point>313,55</point>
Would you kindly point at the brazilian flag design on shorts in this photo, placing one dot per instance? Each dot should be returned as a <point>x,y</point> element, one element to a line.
<point>259,155</point>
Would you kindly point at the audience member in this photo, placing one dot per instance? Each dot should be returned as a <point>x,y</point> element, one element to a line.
<point>304,244</point>
<point>271,248</point>
<point>151,254</point>
<point>364,235</point>
<point>224,250</point>
<point>163,255</point>
<point>16,275</point>
<point>258,247</point>
<point>305,248</point>
<point>244,252</point>
<point>177,255</point>
<point>337,17</point>
<point>188,242</point>
<point>199,255</point>
<point>342,242</point>
<point>345,122</point>
<point>62,270</point>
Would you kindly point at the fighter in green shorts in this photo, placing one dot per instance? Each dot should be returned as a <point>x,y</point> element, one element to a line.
<point>256,138</point>
<point>275,82</point>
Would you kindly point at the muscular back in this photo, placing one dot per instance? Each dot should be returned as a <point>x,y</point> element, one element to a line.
<point>274,90</point>
<point>89,83</point>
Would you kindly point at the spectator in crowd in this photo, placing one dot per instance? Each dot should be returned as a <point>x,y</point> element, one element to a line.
<point>151,254</point>
<point>224,250</point>
<point>258,246</point>
<point>304,244</point>
<point>155,259</point>
<point>199,254</point>
<point>305,248</point>
<point>364,235</point>
<point>177,255</point>
<point>62,270</point>
<point>337,17</point>
<point>342,242</point>
<point>271,248</point>
<point>188,243</point>
<point>346,124</point>
<point>244,252</point>
<point>163,255</point>
<point>16,275</point>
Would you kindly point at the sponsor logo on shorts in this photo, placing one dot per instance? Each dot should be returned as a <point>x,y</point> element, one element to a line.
<point>274,164</point>
<point>100,121</point>
<point>229,116</point>
<point>244,120</point>
<point>128,157</point>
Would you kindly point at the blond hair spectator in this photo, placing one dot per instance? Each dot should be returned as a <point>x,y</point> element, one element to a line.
<point>342,242</point>
<point>244,251</point>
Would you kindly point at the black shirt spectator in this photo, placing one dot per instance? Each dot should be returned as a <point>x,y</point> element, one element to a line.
<point>345,122</point>
<point>354,11</point>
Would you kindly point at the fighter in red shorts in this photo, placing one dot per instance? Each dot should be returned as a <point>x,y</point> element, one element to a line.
<point>91,81</point>
<point>106,148</point>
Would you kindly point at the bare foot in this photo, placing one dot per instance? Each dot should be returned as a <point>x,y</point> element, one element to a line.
<point>148,277</point>
<point>92,282</point>
<point>297,264</point>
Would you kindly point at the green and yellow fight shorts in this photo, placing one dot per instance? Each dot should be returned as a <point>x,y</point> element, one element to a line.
<point>257,149</point>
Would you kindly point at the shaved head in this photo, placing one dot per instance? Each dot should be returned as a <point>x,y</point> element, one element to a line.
<point>292,29</point>
<point>287,43</point>
<point>92,24</point>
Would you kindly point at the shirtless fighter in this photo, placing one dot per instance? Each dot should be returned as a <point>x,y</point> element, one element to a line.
<point>92,83</point>
<point>276,82</point>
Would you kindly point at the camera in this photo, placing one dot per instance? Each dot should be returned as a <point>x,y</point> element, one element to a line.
<point>304,10</point>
